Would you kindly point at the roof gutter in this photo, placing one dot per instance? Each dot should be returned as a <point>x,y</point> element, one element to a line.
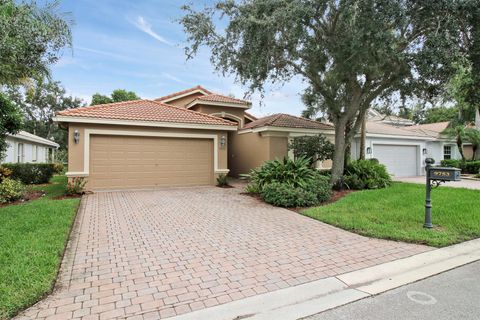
<point>178,125</point>
<point>287,129</point>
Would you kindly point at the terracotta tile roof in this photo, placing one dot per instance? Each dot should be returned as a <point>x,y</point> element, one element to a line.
<point>145,110</point>
<point>179,93</point>
<point>221,98</point>
<point>287,121</point>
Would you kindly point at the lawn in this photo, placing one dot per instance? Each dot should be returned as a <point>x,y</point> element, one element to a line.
<point>32,241</point>
<point>397,213</point>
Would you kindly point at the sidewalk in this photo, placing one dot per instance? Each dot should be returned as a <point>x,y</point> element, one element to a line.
<point>314,297</point>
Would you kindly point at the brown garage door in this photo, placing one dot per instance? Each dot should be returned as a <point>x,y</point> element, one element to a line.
<point>145,162</point>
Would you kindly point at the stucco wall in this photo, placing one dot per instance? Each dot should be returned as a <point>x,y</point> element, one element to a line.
<point>251,150</point>
<point>76,151</point>
<point>468,152</point>
<point>238,112</point>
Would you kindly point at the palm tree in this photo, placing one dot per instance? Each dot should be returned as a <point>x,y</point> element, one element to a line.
<point>473,136</point>
<point>457,132</point>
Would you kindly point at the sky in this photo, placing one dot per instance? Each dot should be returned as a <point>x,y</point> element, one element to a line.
<point>137,45</point>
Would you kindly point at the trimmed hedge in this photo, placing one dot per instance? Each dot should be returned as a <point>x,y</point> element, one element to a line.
<point>468,167</point>
<point>31,173</point>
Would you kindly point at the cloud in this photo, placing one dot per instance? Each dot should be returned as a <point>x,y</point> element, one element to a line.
<point>105,53</point>
<point>172,77</point>
<point>146,27</point>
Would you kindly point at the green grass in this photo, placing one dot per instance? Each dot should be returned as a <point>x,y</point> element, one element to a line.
<point>32,241</point>
<point>397,213</point>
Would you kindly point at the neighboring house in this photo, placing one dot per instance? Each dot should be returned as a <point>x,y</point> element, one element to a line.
<point>26,147</point>
<point>192,136</point>
<point>404,149</point>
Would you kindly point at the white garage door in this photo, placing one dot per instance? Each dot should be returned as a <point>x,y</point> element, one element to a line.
<point>401,161</point>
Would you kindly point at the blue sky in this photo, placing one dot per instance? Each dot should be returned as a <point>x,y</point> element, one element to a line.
<point>137,45</point>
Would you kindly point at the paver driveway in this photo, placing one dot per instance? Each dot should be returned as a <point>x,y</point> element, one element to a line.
<point>156,254</point>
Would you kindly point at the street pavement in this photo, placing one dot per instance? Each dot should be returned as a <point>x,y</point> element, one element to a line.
<point>454,294</point>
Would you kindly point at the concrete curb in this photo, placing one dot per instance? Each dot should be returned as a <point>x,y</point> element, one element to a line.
<point>318,296</point>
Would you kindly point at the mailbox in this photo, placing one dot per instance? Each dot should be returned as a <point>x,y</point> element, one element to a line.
<point>444,174</point>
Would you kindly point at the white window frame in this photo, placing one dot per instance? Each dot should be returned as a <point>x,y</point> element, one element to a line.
<point>20,152</point>
<point>34,153</point>
<point>450,155</point>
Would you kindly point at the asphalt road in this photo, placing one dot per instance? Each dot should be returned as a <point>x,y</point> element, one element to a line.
<point>452,295</point>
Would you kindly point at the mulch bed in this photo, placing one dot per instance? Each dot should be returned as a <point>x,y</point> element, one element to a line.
<point>226,186</point>
<point>336,195</point>
<point>29,196</point>
<point>69,196</point>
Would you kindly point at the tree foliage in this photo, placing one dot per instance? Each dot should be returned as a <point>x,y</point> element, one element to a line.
<point>348,52</point>
<point>31,39</point>
<point>473,136</point>
<point>39,102</point>
<point>117,95</point>
<point>10,121</point>
<point>438,114</point>
<point>314,148</point>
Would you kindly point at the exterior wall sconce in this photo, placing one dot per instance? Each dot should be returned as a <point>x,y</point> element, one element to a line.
<point>223,141</point>
<point>369,150</point>
<point>76,136</point>
<point>424,151</point>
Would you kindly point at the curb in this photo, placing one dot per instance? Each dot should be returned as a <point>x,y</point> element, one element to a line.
<point>318,296</point>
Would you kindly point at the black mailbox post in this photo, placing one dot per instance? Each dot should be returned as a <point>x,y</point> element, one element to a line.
<point>435,176</point>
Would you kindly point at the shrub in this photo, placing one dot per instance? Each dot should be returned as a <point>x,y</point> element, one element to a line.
<point>470,167</point>
<point>282,194</point>
<point>11,190</point>
<point>365,174</point>
<point>451,163</point>
<point>75,186</point>
<point>4,173</point>
<point>31,173</point>
<point>292,172</point>
<point>222,180</point>
<point>321,186</point>
<point>290,183</point>
<point>58,168</point>
<point>313,148</point>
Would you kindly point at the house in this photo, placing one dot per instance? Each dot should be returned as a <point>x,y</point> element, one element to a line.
<point>26,147</point>
<point>403,149</point>
<point>192,136</point>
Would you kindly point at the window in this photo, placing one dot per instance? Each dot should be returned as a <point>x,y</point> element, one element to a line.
<point>34,153</point>
<point>20,153</point>
<point>447,152</point>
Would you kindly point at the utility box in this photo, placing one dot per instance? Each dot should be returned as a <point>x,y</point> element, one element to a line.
<point>444,174</point>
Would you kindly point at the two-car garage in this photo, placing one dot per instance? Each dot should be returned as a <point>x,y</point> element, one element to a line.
<point>118,162</point>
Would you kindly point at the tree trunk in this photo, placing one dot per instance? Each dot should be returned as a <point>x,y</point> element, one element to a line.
<point>338,155</point>
<point>460,147</point>
<point>363,139</point>
<point>477,118</point>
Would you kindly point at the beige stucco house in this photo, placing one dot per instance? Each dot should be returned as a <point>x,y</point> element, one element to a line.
<point>190,137</point>
<point>185,138</point>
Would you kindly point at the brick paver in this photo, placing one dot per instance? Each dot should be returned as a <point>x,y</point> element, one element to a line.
<point>157,254</point>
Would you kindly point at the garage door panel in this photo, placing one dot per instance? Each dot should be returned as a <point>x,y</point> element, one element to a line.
<point>138,162</point>
<point>400,160</point>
